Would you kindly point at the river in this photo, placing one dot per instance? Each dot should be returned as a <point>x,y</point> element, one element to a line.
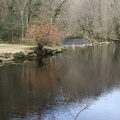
<point>81,84</point>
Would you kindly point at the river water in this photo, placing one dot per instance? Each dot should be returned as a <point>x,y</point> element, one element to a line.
<point>81,84</point>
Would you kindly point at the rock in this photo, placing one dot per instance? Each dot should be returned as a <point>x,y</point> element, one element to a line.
<point>5,59</point>
<point>19,55</point>
<point>106,43</point>
<point>95,42</point>
<point>16,54</point>
<point>32,56</point>
<point>7,55</point>
<point>29,52</point>
<point>59,51</point>
<point>1,54</point>
<point>83,45</point>
<point>1,61</point>
<point>103,43</point>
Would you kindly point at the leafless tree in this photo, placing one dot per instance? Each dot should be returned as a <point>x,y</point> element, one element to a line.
<point>65,101</point>
<point>22,5</point>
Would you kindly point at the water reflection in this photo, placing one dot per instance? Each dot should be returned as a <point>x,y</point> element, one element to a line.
<point>85,76</point>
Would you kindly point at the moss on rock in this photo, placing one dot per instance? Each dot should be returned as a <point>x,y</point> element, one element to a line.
<point>18,56</point>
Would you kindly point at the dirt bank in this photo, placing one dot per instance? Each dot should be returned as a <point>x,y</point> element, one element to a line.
<point>9,48</point>
<point>9,52</point>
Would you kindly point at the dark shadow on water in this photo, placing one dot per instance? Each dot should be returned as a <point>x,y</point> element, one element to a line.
<point>117,52</point>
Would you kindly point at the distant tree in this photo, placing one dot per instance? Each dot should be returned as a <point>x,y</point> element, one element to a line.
<point>58,10</point>
<point>10,28</point>
<point>27,8</point>
<point>22,6</point>
<point>93,19</point>
<point>52,9</point>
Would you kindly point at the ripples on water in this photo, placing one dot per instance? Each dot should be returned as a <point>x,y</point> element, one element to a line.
<point>81,78</point>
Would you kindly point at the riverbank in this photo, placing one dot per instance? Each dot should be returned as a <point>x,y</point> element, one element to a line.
<point>88,44</point>
<point>9,52</point>
<point>16,52</point>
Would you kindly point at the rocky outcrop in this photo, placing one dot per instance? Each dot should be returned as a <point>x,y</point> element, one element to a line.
<point>30,54</point>
<point>12,52</point>
<point>88,44</point>
<point>47,52</point>
<point>26,55</point>
<point>5,59</point>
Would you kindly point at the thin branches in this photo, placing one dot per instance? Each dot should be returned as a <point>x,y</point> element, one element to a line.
<point>41,33</point>
<point>75,117</point>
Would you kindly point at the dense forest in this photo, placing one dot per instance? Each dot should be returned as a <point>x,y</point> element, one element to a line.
<point>93,19</point>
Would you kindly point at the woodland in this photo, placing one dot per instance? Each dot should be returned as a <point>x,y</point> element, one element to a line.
<point>49,21</point>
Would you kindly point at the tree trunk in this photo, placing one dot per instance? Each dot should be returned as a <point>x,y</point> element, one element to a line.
<point>29,13</point>
<point>22,24</point>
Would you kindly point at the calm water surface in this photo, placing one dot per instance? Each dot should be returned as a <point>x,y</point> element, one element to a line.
<point>83,79</point>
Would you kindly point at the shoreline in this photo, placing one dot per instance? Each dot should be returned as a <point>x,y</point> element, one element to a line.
<point>10,52</point>
<point>89,44</point>
<point>14,52</point>
<point>18,52</point>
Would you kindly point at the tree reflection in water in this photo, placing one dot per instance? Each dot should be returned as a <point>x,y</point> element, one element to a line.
<point>29,91</point>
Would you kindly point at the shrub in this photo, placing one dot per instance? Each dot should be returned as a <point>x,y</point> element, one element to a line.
<point>43,34</point>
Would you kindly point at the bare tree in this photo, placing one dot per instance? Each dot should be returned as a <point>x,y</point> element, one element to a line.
<point>93,19</point>
<point>41,33</point>
<point>22,5</point>
<point>65,101</point>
